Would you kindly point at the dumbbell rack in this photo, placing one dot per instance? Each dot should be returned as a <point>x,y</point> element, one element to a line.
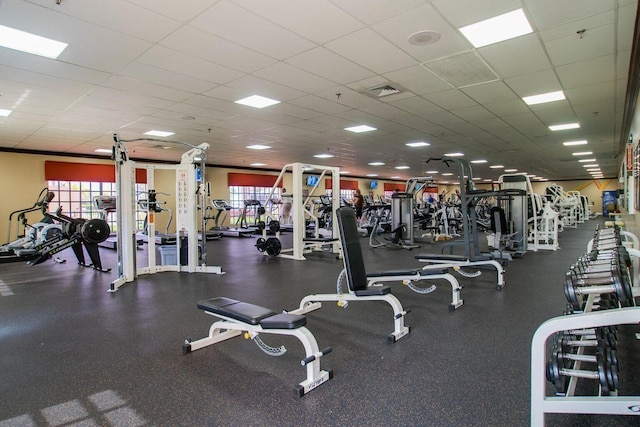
<point>541,403</point>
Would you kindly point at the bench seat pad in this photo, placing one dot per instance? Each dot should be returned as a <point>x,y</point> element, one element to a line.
<point>391,273</point>
<point>449,257</point>
<point>284,321</point>
<point>242,311</point>
<point>373,290</point>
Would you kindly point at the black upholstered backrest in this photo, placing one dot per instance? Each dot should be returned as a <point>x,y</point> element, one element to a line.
<point>351,250</point>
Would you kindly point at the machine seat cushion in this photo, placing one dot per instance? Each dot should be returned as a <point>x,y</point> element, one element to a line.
<point>284,321</point>
<point>391,273</point>
<point>319,240</point>
<point>373,290</point>
<point>242,311</point>
<point>454,258</point>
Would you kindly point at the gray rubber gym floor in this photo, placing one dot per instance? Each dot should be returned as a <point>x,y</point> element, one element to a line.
<point>73,354</point>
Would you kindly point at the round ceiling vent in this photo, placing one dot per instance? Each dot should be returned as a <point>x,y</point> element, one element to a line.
<point>423,38</point>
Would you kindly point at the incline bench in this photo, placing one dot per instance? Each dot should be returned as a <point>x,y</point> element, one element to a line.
<point>356,278</point>
<point>238,317</point>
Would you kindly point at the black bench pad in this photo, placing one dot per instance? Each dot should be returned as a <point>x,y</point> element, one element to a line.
<point>252,314</point>
<point>319,239</point>
<point>284,321</point>
<point>242,311</point>
<point>373,290</point>
<point>388,273</point>
<point>449,257</point>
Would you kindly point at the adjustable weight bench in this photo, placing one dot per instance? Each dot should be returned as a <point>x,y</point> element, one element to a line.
<point>238,317</point>
<point>354,271</point>
<point>440,261</point>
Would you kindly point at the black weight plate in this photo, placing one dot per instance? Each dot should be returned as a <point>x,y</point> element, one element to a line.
<point>273,246</point>
<point>261,244</point>
<point>95,230</point>
<point>274,226</point>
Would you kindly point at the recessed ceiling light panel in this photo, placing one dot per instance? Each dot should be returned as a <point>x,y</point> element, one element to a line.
<point>566,126</point>
<point>544,98</point>
<point>583,153</point>
<point>161,133</point>
<point>454,154</point>
<point>570,143</point>
<point>5,113</point>
<point>323,156</point>
<point>30,43</point>
<point>258,147</point>
<point>360,128</point>
<point>478,161</point>
<point>102,150</point>
<point>257,101</point>
<point>417,144</point>
<point>376,163</point>
<point>499,28</point>
<point>402,167</point>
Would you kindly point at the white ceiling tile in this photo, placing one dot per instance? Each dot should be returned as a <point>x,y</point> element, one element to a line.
<point>255,33</point>
<point>145,88</point>
<point>450,99</point>
<point>348,97</point>
<point>626,23</point>
<point>206,46</point>
<point>397,29</point>
<point>465,12</point>
<point>507,60</point>
<point>372,11</point>
<point>251,85</point>
<point>594,93</point>
<point>369,49</point>
<point>184,12</point>
<point>294,77</point>
<point>329,65</point>
<point>490,92</point>
<point>571,28</point>
<point>534,83</point>
<point>587,72</point>
<point>594,43</point>
<point>563,11</point>
<point>321,23</point>
<point>165,78</point>
<point>418,80</point>
<point>416,105</point>
<point>385,111</point>
<point>474,114</point>
<point>182,63</point>
<point>508,108</point>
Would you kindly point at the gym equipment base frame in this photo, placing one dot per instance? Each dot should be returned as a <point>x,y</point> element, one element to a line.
<point>541,403</point>
<point>440,261</point>
<point>248,321</point>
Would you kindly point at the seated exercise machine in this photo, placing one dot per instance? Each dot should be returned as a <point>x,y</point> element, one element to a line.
<point>237,317</point>
<point>355,273</point>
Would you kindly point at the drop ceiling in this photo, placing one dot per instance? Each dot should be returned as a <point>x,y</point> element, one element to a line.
<point>136,65</point>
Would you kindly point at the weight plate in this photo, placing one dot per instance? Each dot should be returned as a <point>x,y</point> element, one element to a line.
<point>273,246</point>
<point>261,225</point>
<point>261,244</point>
<point>274,226</point>
<point>95,231</point>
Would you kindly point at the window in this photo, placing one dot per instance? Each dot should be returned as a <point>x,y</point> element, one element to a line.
<point>238,194</point>
<point>76,199</point>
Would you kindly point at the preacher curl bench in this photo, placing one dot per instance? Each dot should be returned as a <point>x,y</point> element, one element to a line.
<point>238,317</point>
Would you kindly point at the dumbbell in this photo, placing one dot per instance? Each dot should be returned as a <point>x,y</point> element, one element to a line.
<point>616,282</point>
<point>601,339</point>
<point>606,373</point>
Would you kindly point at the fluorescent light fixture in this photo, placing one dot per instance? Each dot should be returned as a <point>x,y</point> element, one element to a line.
<point>344,172</point>
<point>161,133</point>
<point>376,163</point>
<point>499,28</point>
<point>447,174</point>
<point>583,153</point>
<point>417,144</point>
<point>103,150</point>
<point>30,43</point>
<point>454,154</point>
<point>570,143</point>
<point>476,179</point>
<point>395,177</point>
<point>403,167</point>
<point>511,170</point>
<point>586,160</point>
<point>323,156</point>
<point>431,172</point>
<point>258,147</point>
<point>197,159</point>
<point>360,128</point>
<point>565,126</point>
<point>592,165</point>
<point>544,97</point>
<point>478,161</point>
<point>258,164</point>
<point>496,167</point>
<point>487,180</point>
<point>5,113</point>
<point>372,174</point>
<point>257,101</point>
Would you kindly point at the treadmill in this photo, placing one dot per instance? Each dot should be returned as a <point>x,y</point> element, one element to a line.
<point>222,206</point>
<point>107,205</point>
